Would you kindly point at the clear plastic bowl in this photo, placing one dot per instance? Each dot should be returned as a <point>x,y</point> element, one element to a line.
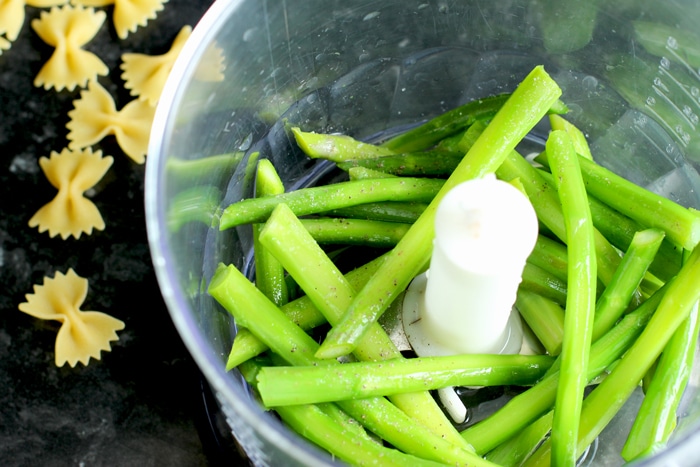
<point>365,68</point>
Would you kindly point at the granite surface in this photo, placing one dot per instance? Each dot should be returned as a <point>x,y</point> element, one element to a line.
<point>143,403</point>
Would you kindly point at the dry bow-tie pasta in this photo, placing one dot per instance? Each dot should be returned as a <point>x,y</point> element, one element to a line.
<point>72,173</point>
<point>68,29</point>
<point>83,334</point>
<point>128,15</point>
<point>94,116</point>
<point>145,74</point>
<point>212,65</point>
<point>12,17</point>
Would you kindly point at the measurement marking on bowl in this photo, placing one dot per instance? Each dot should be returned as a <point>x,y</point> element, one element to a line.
<point>681,98</point>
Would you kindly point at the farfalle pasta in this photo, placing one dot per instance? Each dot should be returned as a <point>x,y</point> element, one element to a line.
<point>12,17</point>
<point>83,334</point>
<point>212,65</point>
<point>145,75</point>
<point>94,116</point>
<point>72,173</point>
<point>128,15</point>
<point>68,29</point>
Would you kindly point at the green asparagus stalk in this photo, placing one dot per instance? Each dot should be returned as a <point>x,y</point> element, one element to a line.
<point>426,163</point>
<point>324,198</point>
<point>269,274</point>
<point>609,396</point>
<point>253,310</point>
<point>516,450</point>
<point>196,204</point>
<point>681,225</point>
<point>390,211</point>
<point>526,407</point>
<point>446,124</point>
<point>358,380</point>
<point>551,256</point>
<point>336,148</point>
<point>355,231</point>
<point>301,312</point>
<point>545,317</point>
<point>654,38</point>
<point>577,137</point>
<point>327,434</point>
<point>617,296</point>
<point>525,107</point>
<point>657,415</point>
<point>285,236</point>
<point>206,168</point>
<point>541,282</point>
<point>363,173</point>
<point>580,299</point>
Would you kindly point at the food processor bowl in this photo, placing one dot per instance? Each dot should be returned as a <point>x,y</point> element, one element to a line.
<point>629,71</point>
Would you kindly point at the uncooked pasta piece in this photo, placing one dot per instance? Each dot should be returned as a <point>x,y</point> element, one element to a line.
<point>145,75</point>
<point>212,65</point>
<point>94,116</point>
<point>128,14</point>
<point>72,173</point>
<point>83,334</point>
<point>68,29</point>
<point>12,17</point>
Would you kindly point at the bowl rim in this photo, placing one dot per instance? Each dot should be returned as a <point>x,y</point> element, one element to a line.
<point>228,394</point>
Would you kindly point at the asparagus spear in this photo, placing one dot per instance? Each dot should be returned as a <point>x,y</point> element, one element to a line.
<point>431,163</point>
<point>541,282</point>
<point>336,148</point>
<point>361,173</point>
<point>517,449</point>
<point>358,380</point>
<point>617,296</point>
<point>324,198</point>
<point>544,316</point>
<point>356,231</point>
<point>390,211</point>
<point>580,298</point>
<point>551,256</point>
<point>269,274</point>
<point>446,124</point>
<point>657,415</point>
<point>577,137</point>
<point>525,107</point>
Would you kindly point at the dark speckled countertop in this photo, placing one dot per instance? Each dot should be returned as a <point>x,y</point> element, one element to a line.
<point>142,403</point>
